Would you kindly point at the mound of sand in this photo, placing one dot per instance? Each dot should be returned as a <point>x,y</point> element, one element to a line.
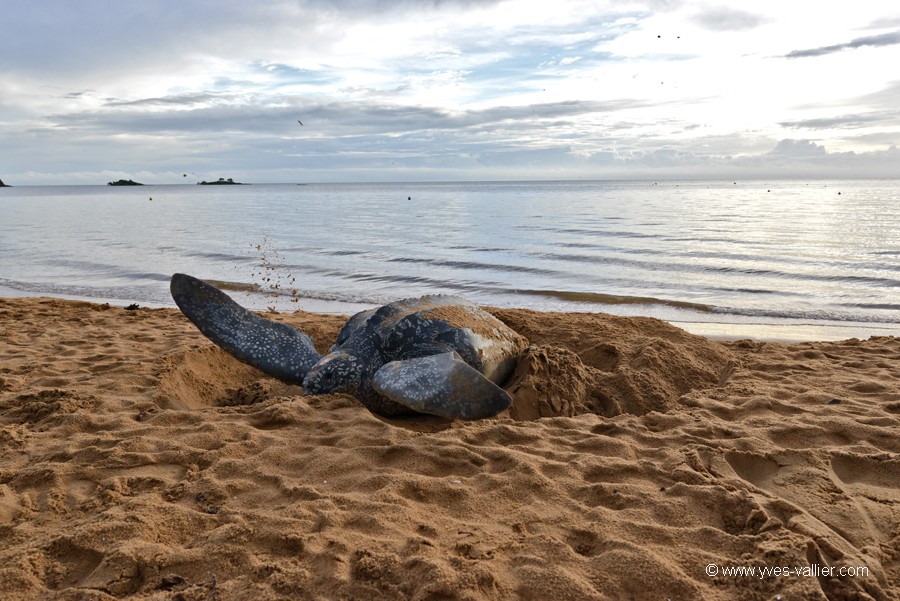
<point>582,363</point>
<point>137,460</point>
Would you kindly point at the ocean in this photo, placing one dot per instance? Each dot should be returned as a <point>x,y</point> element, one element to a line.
<point>777,259</point>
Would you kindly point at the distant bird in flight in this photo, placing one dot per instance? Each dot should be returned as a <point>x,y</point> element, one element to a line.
<point>299,121</point>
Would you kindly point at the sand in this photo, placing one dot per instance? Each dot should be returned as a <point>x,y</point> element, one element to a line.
<point>139,461</point>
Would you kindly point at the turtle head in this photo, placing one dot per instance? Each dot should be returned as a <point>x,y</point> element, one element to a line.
<point>336,372</point>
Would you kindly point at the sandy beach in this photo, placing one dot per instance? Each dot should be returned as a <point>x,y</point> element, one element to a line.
<point>638,461</point>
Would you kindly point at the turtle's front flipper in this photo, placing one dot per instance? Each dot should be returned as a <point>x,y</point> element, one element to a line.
<point>274,348</point>
<point>442,385</point>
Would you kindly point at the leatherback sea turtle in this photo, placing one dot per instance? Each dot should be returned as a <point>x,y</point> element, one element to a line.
<point>437,354</point>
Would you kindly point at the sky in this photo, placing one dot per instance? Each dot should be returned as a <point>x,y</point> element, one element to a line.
<point>432,90</point>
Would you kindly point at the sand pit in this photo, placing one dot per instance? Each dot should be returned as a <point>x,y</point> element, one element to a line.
<point>138,461</point>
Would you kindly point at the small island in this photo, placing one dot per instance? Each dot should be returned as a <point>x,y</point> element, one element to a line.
<point>2,185</point>
<point>221,182</point>
<point>124,182</point>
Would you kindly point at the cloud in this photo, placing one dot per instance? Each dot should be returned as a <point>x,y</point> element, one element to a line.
<point>889,96</point>
<point>444,155</point>
<point>722,18</point>
<point>277,116</point>
<point>654,5</point>
<point>846,121</point>
<point>176,100</point>
<point>884,23</point>
<point>788,159</point>
<point>798,149</point>
<point>884,39</point>
<point>69,40</point>
<point>877,139</point>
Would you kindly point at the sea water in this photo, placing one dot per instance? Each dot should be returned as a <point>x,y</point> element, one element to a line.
<point>713,256</point>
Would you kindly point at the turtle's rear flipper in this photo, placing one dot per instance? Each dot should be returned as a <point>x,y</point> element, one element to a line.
<point>441,385</point>
<point>274,348</point>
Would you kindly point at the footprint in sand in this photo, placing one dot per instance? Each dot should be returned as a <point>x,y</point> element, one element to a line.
<point>872,477</point>
<point>71,562</point>
<point>755,469</point>
<point>841,501</point>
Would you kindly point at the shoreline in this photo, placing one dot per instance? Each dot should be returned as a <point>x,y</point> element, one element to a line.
<point>722,328</point>
<point>772,332</point>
